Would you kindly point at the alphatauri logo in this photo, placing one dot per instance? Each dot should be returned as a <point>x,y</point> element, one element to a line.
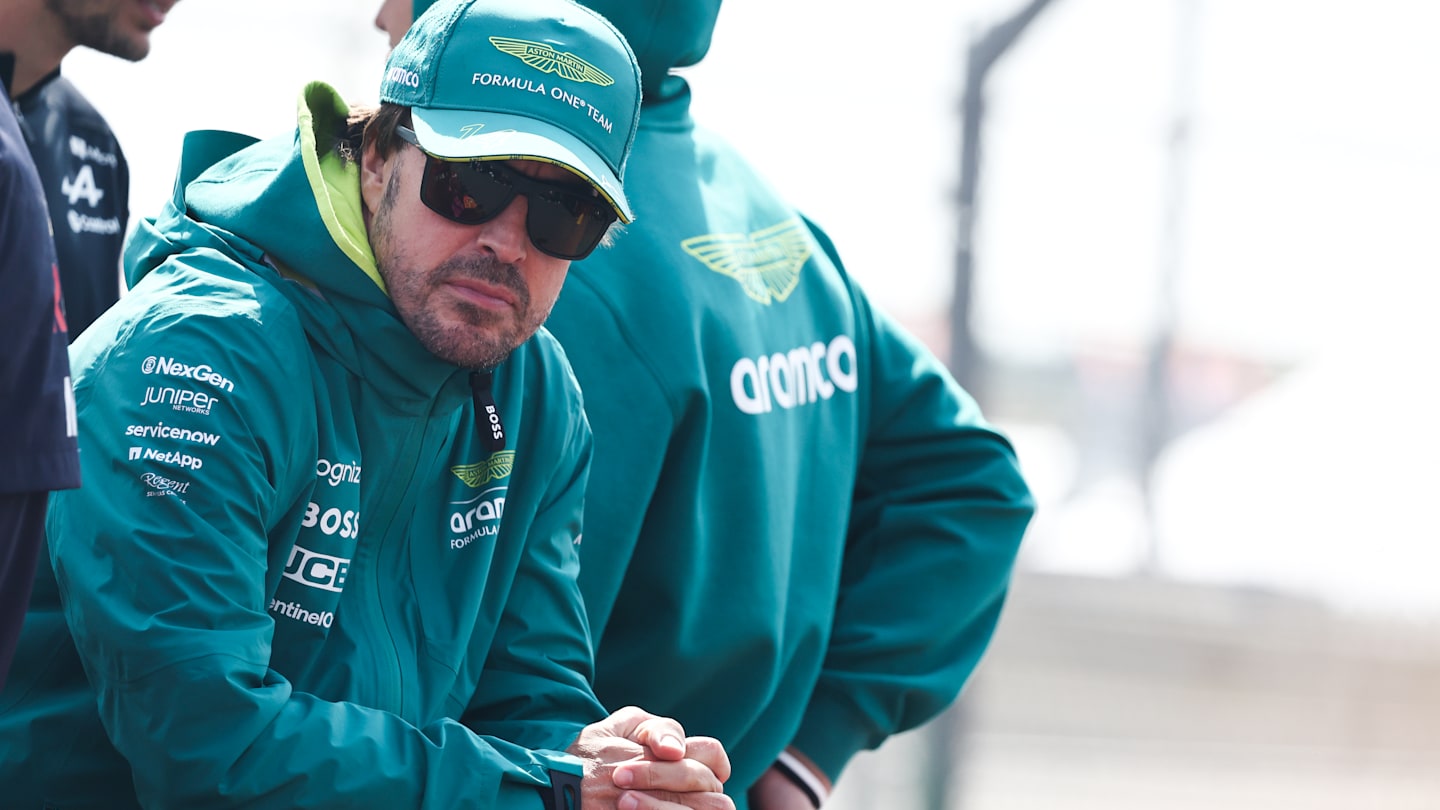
<point>546,59</point>
<point>766,263</point>
<point>492,469</point>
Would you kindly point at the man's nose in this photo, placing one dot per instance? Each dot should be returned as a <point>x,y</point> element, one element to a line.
<point>505,235</point>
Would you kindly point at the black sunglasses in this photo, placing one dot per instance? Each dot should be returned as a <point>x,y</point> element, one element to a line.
<point>564,221</point>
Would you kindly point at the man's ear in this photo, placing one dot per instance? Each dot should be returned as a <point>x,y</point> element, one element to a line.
<point>374,174</point>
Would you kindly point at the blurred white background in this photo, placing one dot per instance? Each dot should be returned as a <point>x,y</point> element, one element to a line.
<point>1284,251</point>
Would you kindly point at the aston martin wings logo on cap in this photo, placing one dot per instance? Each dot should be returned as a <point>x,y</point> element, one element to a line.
<point>766,263</point>
<point>492,469</point>
<point>546,59</point>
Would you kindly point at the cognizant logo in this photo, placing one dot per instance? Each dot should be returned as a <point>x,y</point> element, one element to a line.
<point>337,473</point>
<point>798,377</point>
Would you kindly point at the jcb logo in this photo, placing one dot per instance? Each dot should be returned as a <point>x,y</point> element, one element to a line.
<point>315,570</point>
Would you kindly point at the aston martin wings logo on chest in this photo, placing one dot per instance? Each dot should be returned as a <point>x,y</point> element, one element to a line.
<point>546,59</point>
<point>766,263</point>
<point>492,469</point>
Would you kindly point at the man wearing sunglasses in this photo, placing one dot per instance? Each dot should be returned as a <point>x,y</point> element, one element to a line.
<point>325,556</point>
<point>827,517</point>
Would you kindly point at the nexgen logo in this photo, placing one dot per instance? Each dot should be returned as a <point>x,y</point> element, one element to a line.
<point>315,570</point>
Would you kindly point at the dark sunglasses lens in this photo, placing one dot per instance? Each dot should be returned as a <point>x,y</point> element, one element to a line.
<point>463,193</point>
<point>567,226</point>
<point>563,224</point>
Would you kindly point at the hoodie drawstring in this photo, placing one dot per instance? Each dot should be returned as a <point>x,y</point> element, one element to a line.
<point>487,416</point>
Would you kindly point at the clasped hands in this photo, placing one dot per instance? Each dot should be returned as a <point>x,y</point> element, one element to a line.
<point>635,760</point>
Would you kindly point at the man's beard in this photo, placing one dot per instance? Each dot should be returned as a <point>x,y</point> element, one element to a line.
<point>479,338</point>
<point>95,28</point>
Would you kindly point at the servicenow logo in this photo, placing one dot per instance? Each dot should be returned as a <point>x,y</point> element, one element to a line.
<point>801,376</point>
<point>164,431</point>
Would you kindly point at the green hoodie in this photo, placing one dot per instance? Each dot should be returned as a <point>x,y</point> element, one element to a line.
<point>799,529</point>
<point>259,623</point>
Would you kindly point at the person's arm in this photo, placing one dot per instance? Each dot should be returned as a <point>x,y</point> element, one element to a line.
<point>939,509</point>
<point>165,566</point>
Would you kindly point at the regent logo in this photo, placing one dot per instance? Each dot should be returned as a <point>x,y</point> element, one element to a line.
<point>161,430</point>
<point>168,367</point>
<point>333,522</point>
<point>400,75</point>
<point>798,377</point>
<point>315,570</point>
<point>179,399</point>
<point>160,485</point>
<point>478,517</point>
<point>766,263</point>
<point>494,468</point>
<point>337,474</point>
<point>546,59</point>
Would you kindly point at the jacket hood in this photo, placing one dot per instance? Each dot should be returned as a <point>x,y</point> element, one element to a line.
<point>289,209</point>
<point>664,34</point>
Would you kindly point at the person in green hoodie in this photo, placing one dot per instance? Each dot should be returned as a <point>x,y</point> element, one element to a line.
<point>326,552</point>
<point>799,529</point>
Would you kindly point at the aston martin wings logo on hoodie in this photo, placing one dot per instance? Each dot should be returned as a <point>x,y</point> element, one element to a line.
<point>546,59</point>
<point>766,263</point>
<point>492,469</point>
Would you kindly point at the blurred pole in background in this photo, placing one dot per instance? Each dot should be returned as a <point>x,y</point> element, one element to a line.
<point>985,50</point>
<point>943,737</point>
<point>1157,410</point>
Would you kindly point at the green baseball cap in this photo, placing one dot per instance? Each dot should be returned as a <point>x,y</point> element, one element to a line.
<point>546,80</point>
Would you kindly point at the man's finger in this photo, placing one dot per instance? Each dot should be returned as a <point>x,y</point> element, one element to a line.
<point>683,776</point>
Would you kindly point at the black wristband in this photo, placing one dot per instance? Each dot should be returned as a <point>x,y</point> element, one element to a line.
<point>799,781</point>
<point>563,793</point>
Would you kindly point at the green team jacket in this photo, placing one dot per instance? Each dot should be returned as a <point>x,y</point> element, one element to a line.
<point>799,529</point>
<point>295,577</point>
